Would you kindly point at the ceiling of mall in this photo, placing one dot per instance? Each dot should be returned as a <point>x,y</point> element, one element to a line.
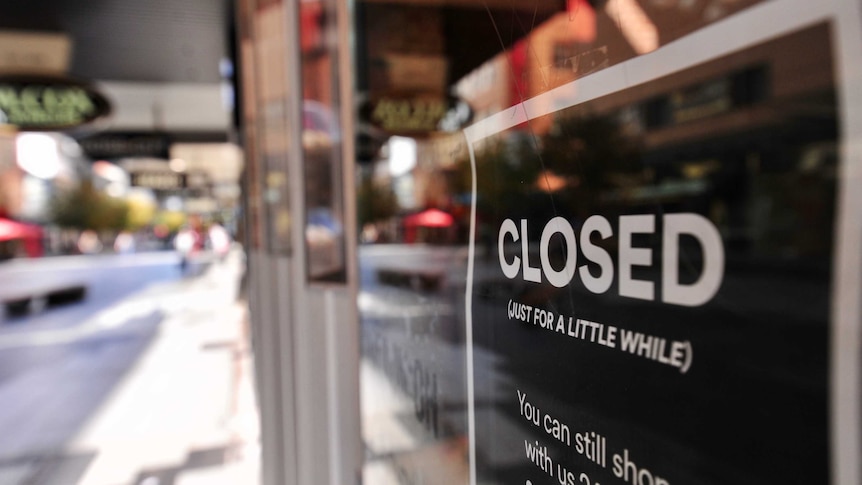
<point>176,41</point>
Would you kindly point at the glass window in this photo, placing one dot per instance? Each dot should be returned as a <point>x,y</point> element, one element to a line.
<point>614,263</point>
<point>321,143</point>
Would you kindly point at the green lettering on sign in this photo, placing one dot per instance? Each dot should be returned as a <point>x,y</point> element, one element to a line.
<point>48,103</point>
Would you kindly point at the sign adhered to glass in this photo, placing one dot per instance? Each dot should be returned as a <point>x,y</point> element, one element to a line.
<point>655,289</point>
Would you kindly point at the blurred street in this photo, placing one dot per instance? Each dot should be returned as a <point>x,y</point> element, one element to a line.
<point>145,381</point>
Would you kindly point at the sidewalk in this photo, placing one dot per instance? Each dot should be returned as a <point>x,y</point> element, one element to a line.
<point>186,414</point>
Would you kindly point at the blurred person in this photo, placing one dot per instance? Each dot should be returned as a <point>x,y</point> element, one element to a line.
<point>187,243</point>
<point>370,234</point>
<point>88,242</point>
<point>219,240</point>
<point>124,243</point>
<point>162,235</point>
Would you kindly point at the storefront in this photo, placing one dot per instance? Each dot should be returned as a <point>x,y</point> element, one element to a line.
<point>643,263</point>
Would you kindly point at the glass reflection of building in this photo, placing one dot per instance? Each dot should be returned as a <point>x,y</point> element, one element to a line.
<point>690,130</point>
<point>747,140</point>
<point>746,137</point>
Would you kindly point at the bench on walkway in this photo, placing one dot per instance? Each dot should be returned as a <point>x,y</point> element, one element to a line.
<point>21,297</point>
<point>416,278</point>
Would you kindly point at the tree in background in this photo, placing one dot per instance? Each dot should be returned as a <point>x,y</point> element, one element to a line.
<point>84,207</point>
<point>375,202</point>
<point>594,155</point>
<point>506,174</point>
<point>142,213</point>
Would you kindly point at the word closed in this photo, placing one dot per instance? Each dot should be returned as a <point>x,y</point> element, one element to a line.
<point>629,256</point>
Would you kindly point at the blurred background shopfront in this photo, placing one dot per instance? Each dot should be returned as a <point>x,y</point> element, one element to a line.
<point>124,344</point>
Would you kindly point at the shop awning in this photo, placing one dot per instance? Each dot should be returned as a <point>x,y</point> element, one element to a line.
<point>429,218</point>
<point>10,230</point>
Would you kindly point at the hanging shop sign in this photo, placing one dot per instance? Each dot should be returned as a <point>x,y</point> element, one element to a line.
<point>159,180</point>
<point>40,103</point>
<point>417,115</point>
<point>129,144</point>
<point>170,180</point>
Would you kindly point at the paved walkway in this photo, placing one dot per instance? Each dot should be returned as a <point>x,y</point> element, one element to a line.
<point>186,413</point>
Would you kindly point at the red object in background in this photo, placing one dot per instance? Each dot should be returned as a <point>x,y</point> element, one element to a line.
<point>519,89</point>
<point>310,15</point>
<point>429,218</point>
<point>582,18</point>
<point>30,235</point>
<point>582,29</point>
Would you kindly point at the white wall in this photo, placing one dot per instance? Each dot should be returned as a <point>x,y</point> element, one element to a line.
<point>172,107</point>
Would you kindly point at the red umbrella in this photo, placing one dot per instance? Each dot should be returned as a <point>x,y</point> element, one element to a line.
<point>430,218</point>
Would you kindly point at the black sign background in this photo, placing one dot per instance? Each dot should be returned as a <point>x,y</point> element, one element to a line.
<point>48,102</point>
<point>119,145</point>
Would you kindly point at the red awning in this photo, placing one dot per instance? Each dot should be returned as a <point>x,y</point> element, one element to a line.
<point>10,230</point>
<point>429,218</point>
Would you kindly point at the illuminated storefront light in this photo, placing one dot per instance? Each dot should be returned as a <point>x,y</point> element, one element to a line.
<point>402,155</point>
<point>38,155</point>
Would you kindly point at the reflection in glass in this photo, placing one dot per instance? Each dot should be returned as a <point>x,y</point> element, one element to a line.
<point>743,142</point>
<point>321,145</point>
